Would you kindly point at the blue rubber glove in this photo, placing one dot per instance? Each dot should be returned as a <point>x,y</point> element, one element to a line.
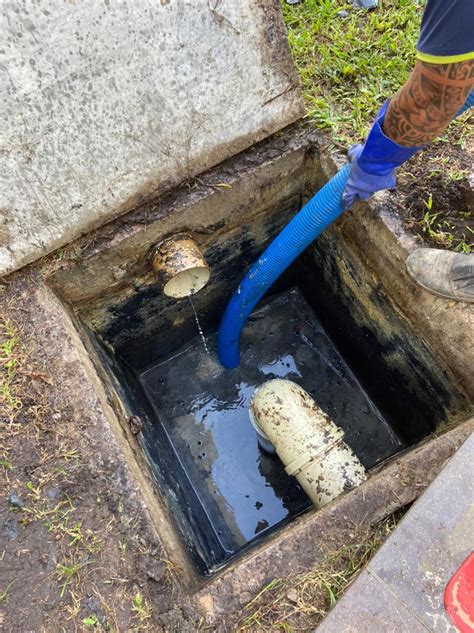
<point>373,164</point>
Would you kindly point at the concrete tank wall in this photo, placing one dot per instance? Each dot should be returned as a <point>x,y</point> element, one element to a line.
<point>107,102</point>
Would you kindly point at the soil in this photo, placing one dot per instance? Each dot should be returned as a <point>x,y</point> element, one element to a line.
<point>435,196</point>
<point>299,602</point>
<point>77,550</point>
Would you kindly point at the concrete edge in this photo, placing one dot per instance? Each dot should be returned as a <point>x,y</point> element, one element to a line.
<point>301,545</point>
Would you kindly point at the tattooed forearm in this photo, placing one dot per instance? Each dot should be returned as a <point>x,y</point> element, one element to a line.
<point>426,104</point>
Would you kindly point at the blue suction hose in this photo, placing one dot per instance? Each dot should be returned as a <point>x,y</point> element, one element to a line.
<point>467,104</point>
<point>298,234</point>
<point>304,228</point>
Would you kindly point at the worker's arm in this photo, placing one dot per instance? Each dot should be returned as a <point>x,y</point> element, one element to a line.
<point>427,103</point>
<point>419,112</point>
<point>437,88</point>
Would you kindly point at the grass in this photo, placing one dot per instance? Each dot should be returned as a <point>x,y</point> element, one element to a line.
<point>67,573</point>
<point>141,610</point>
<point>91,621</point>
<point>59,519</point>
<point>9,340</point>
<point>442,235</point>
<point>439,230</point>
<point>6,592</point>
<point>349,66</point>
<point>6,463</point>
<point>300,601</point>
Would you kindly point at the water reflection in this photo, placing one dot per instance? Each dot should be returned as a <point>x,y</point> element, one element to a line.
<point>204,409</point>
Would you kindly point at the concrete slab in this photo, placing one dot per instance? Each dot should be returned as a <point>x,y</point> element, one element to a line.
<point>370,607</point>
<point>432,542</point>
<point>105,104</point>
<point>419,558</point>
<point>415,567</point>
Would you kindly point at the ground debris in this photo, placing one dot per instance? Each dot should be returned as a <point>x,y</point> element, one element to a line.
<point>434,195</point>
<point>299,602</point>
<point>75,549</point>
<point>15,500</point>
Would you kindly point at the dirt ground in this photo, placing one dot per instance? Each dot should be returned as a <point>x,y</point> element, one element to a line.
<point>77,554</point>
<point>299,602</point>
<point>435,193</point>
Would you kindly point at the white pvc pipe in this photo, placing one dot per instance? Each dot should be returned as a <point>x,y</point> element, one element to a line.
<point>309,444</point>
<point>180,266</point>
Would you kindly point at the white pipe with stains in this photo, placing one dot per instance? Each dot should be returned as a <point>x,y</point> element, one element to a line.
<point>309,444</point>
<point>180,266</point>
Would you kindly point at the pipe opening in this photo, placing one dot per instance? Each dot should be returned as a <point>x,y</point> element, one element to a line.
<point>187,283</point>
<point>180,267</point>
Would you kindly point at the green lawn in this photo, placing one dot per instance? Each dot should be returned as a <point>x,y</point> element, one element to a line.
<point>348,66</point>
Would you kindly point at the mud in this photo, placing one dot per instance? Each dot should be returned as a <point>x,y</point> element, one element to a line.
<point>69,504</point>
<point>436,197</point>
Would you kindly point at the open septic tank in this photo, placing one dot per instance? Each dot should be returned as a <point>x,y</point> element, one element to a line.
<point>229,490</point>
<point>329,325</point>
<point>137,122</point>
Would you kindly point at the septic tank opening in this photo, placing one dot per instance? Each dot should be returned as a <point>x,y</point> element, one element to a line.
<point>224,491</point>
<point>327,326</point>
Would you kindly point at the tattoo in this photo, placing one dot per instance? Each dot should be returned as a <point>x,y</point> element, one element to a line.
<point>423,108</point>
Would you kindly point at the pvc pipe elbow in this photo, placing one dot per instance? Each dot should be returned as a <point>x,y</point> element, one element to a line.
<point>310,445</point>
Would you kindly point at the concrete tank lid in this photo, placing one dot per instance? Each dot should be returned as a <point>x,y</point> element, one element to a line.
<point>106,104</point>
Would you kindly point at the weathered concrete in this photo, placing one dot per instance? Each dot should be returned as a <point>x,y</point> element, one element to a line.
<point>406,579</point>
<point>104,104</point>
<point>226,198</point>
<point>375,612</point>
<point>231,214</point>
<point>296,548</point>
<point>257,189</point>
<point>375,232</point>
<point>447,326</point>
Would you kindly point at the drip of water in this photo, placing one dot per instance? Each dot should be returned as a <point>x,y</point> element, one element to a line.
<point>198,323</point>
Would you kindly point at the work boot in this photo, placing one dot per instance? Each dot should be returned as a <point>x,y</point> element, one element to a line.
<point>443,273</point>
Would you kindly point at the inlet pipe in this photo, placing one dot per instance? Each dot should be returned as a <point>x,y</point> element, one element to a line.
<point>309,444</point>
<point>179,266</point>
<point>304,228</point>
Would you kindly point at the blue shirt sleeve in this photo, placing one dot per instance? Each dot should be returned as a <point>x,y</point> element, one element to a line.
<point>447,30</point>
